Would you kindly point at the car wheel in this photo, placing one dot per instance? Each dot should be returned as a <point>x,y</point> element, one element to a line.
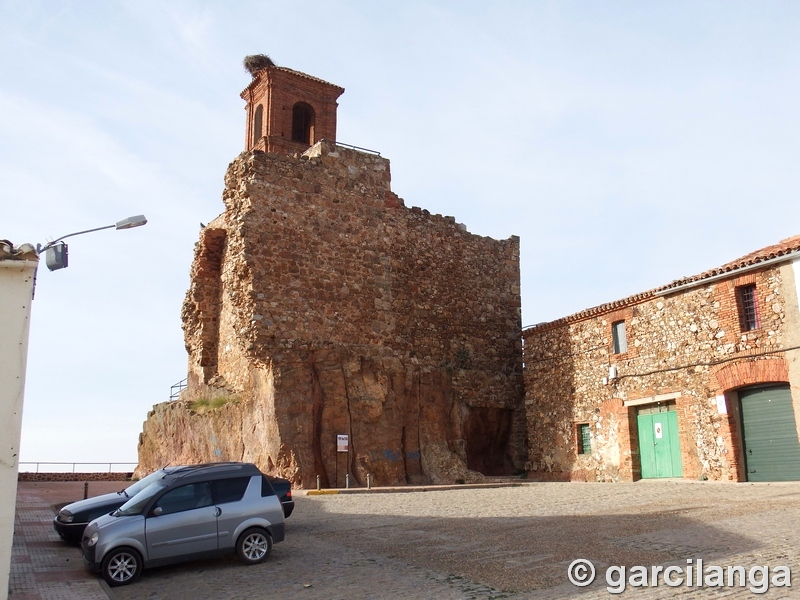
<point>122,566</point>
<point>253,546</point>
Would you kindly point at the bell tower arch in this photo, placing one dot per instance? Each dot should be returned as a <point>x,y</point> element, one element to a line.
<point>287,111</point>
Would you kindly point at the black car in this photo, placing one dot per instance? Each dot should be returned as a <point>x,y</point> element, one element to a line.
<point>283,489</point>
<point>73,518</point>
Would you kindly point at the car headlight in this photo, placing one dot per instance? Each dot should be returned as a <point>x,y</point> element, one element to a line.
<point>93,540</point>
<point>65,517</point>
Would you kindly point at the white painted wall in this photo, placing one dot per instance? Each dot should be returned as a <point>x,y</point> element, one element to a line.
<point>16,294</point>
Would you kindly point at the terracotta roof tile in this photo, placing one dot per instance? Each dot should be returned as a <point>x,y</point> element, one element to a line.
<point>782,248</point>
<point>298,73</point>
<point>21,252</point>
<point>312,78</point>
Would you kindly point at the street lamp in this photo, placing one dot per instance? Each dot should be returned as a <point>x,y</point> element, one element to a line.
<point>56,251</point>
<point>17,281</point>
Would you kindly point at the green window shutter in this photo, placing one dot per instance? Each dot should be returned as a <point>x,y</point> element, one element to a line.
<point>584,439</point>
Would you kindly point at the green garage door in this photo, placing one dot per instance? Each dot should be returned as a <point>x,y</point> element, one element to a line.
<point>771,449</point>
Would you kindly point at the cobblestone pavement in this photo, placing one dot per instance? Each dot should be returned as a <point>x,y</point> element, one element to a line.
<point>42,566</point>
<point>514,542</point>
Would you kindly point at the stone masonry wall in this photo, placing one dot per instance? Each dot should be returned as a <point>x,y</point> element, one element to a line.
<point>688,345</point>
<point>334,309</point>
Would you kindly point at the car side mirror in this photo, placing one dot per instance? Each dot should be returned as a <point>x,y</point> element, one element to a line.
<point>157,511</point>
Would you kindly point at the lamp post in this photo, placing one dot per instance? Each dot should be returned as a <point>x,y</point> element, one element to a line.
<point>56,256</point>
<point>18,268</point>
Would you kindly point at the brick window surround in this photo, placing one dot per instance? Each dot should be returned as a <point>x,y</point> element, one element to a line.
<point>628,317</point>
<point>619,337</point>
<point>747,306</point>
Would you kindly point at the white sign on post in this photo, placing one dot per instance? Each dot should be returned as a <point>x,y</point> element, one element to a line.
<point>659,431</point>
<point>342,443</point>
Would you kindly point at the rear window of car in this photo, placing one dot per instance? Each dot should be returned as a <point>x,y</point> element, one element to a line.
<point>229,490</point>
<point>266,487</point>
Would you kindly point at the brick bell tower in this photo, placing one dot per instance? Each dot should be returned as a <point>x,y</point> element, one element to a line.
<point>287,111</point>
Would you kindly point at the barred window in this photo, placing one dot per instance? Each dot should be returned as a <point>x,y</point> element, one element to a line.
<point>584,439</point>
<point>748,307</point>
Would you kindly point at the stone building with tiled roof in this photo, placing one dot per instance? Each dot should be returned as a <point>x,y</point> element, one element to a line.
<point>699,379</point>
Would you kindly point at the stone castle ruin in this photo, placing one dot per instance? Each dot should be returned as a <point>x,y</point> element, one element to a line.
<point>321,306</point>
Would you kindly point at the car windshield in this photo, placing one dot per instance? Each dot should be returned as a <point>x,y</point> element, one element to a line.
<point>138,486</point>
<point>136,505</point>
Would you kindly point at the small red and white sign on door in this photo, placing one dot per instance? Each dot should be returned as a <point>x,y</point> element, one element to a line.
<point>342,443</point>
<point>659,431</point>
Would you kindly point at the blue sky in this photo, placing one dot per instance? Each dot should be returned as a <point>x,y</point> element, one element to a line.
<point>628,144</point>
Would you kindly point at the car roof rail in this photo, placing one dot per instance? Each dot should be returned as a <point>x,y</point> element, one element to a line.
<point>204,467</point>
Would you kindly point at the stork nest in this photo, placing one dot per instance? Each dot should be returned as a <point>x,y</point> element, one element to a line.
<point>256,62</point>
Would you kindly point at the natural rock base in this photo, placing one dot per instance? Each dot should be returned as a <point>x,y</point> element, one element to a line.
<point>404,423</point>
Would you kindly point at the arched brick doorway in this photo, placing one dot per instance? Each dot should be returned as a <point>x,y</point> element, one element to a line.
<point>761,429</point>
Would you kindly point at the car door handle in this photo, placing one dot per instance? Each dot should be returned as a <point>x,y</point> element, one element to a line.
<point>218,512</point>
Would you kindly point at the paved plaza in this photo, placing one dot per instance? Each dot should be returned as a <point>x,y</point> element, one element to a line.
<point>508,542</point>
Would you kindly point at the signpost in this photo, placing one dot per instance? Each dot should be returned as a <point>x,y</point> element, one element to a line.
<point>342,446</point>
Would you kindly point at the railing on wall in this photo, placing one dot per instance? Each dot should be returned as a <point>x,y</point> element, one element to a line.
<point>176,389</point>
<point>70,467</point>
<point>357,148</point>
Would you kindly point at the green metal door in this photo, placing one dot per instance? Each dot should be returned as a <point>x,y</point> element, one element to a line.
<point>659,446</point>
<point>771,449</point>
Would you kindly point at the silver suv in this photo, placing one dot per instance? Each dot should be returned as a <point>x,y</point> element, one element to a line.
<point>192,512</point>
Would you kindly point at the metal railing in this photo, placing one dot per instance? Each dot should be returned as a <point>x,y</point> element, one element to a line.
<point>359,148</point>
<point>62,467</point>
<point>176,389</point>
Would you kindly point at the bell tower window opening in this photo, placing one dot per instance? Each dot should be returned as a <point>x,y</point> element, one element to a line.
<point>258,124</point>
<point>302,123</point>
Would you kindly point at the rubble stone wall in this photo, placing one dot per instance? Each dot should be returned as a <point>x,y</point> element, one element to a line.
<point>687,347</point>
<point>335,309</point>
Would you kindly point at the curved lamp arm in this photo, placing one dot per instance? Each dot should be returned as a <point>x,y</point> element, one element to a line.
<point>129,223</point>
<point>57,250</point>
